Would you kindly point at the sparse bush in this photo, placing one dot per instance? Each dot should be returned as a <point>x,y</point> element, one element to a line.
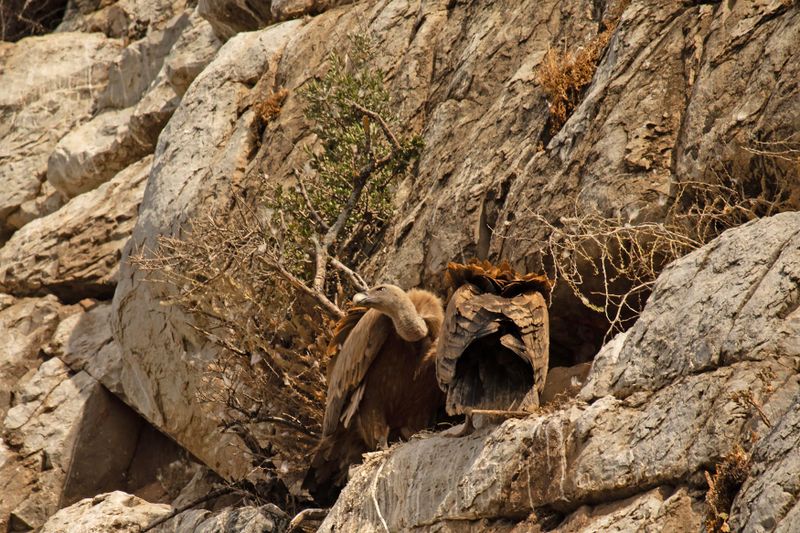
<point>564,75</point>
<point>264,276</point>
<point>611,264</point>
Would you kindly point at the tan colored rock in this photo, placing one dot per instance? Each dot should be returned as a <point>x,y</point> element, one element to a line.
<point>289,9</point>
<point>41,428</point>
<point>84,342</point>
<point>129,19</point>
<point>661,510</point>
<point>114,511</point>
<point>49,86</point>
<point>229,17</point>
<point>75,251</point>
<point>736,308</point>
<point>26,324</point>
<point>139,63</point>
<point>93,153</point>
<point>203,147</point>
<point>48,201</point>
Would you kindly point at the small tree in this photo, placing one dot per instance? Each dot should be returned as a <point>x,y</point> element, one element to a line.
<point>262,277</point>
<point>335,214</point>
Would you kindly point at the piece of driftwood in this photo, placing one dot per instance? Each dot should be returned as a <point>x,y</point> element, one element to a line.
<point>493,349</point>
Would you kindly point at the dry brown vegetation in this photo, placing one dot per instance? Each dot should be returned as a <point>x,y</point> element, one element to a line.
<point>565,74</point>
<point>270,106</point>
<point>723,486</point>
<point>611,264</point>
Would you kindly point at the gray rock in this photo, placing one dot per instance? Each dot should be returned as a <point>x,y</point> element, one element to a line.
<point>93,153</point>
<point>735,299</point>
<point>289,9</point>
<point>204,147</point>
<point>139,64</point>
<point>229,17</point>
<point>114,511</point>
<point>770,498</point>
<point>49,87</point>
<point>75,251</point>
<point>26,324</point>
<point>84,342</point>
<point>41,427</point>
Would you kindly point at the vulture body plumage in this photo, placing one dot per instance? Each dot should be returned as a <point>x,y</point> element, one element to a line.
<point>381,384</point>
<point>492,353</point>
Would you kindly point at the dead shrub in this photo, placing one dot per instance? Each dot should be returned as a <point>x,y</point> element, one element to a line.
<point>728,478</point>
<point>612,264</point>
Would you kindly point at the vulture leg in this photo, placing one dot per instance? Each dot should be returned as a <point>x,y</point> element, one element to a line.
<point>461,430</point>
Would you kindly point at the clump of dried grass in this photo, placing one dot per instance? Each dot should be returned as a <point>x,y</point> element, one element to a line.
<point>564,74</point>
<point>728,478</point>
<point>269,107</point>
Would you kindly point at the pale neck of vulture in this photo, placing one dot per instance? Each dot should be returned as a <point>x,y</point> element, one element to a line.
<point>407,321</point>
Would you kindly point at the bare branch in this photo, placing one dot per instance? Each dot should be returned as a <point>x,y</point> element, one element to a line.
<point>357,281</point>
<point>387,131</point>
<point>309,203</point>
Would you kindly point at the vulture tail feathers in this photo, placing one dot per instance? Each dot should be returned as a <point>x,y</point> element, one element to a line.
<point>330,466</point>
<point>496,279</point>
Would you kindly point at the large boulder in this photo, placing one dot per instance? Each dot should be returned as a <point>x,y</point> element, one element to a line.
<point>203,149</point>
<point>113,511</point>
<point>50,84</point>
<point>712,361</point>
<point>75,251</point>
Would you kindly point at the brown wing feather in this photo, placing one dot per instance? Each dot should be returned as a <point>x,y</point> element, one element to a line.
<point>347,371</point>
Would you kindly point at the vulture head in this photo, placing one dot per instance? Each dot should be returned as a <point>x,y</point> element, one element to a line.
<point>395,303</point>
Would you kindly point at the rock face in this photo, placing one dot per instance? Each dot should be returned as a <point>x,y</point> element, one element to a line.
<point>645,421</point>
<point>49,86</point>
<point>75,251</point>
<point>114,511</point>
<point>204,149</point>
<point>468,78</point>
<point>132,118</point>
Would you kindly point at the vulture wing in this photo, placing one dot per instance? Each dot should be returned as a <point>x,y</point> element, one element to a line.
<point>359,348</point>
<point>476,324</point>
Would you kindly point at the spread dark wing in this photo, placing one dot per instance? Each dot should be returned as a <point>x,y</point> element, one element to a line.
<point>471,315</point>
<point>358,350</point>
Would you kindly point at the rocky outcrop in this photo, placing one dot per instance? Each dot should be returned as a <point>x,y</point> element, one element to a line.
<point>49,85</point>
<point>75,251</point>
<point>113,511</point>
<point>203,150</point>
<point>152,111</point>
<point>662,405</point>
<point>467,76</point>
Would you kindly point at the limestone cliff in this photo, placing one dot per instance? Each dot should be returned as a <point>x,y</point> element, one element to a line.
<point>126,119</point>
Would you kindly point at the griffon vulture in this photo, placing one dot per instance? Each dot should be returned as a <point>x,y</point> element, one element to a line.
<point>381,385</point>
<point>492,353</point>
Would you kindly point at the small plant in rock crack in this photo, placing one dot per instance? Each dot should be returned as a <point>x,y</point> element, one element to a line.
<point>729,476</point>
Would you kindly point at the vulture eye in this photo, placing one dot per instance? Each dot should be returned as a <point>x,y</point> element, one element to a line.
<point>379,289</point>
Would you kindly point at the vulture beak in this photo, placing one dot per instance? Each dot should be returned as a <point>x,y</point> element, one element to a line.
<point>360,298</point>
